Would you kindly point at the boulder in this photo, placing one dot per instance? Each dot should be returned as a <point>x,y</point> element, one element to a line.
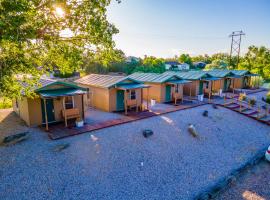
<point>147,133</point>
<point>205,113</point>
<point>215,106</point>
<point>192,130</point>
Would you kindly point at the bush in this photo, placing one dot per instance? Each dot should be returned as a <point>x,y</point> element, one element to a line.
<point>252,102</point>
<point>267,98</point>
<point>242,97</point>
<point>5,103</point>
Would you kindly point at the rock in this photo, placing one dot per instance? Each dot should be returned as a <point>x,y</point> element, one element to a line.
<point>192,130</point>
<point>215,106</point>
<point>205,113</point>
<point>147,133</point>
<point>13,139</point>
<point>61,147</point>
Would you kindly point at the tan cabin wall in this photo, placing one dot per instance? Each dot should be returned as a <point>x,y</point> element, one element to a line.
<point>22,109</point>
<point>218,84</point>
<point>238,83</point>
<point>194,86</point>
<point>155,91</point>
<point>112,99</point>
<point>100,97</point>
<point>35,113</point>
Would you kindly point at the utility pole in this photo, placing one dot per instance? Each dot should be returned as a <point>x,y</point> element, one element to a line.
<point>236,45</point>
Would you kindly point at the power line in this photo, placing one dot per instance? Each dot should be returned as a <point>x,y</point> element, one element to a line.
<point>236,45</point>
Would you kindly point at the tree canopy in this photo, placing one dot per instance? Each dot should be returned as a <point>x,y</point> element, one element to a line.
<point>39,35</point>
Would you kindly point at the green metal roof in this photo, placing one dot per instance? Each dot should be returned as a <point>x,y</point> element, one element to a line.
<point>219,73</point>
<point>211,79</point>
<point>240,72</point>
<point>190,75</point>
<point>153,77</point>
<point>104,81</point>
<point>61,92</point>
<point>47,86</point>
<point>180,81</point>
<point>131,86</point>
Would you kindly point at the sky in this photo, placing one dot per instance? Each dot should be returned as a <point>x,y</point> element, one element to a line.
<point>165,28</point>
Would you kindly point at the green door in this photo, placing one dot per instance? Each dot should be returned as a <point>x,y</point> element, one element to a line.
<point>225,85</point>
<point>201,87</point>
<point>49,109</point>
<point>168,93</point>
<point>120,100</point>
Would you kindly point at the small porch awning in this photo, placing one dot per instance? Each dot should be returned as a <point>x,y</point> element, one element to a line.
<point>250,75</point>
<point>61,92</point>
<point>234,76</point>
<point>211,79</point>
<point>180,81</point>
<point>131,86</point>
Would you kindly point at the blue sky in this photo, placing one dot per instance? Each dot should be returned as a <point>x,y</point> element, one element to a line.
<point>164,28</point>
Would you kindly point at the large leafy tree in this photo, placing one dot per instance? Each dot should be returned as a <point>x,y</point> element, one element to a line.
<point>257,60</point>
<point>151,64</point>
<point>33,38</point>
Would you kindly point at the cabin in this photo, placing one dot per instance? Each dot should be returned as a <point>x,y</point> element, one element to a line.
<point>55,101</point>
<point>163,88</point>
<point>200,83</point>
<point>113,93</point>
<point>245,81</point>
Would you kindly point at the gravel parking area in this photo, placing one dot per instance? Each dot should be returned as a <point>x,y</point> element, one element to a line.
<point>254,184</point>
<point>119,163</point>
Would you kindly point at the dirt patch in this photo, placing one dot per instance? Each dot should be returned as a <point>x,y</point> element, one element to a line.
<point>10,123</point>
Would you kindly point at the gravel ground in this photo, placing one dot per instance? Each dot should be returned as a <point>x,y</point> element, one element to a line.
<point>93,115</point>
<point>254,184</point>
<point>119,163</point>
<point>258,95</point>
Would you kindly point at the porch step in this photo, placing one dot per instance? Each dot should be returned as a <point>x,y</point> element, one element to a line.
<point>265,119</point>
<point>233,106</point>
<point>248,111</point>
<point>242,109</point>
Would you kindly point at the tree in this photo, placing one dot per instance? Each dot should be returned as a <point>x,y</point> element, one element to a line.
<point>151,64</point>
<point>185,58</point>
<point>257,60</point>
<point>32,34</point>
<point>217,64</point>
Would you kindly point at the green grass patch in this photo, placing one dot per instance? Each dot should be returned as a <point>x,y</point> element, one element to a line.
<point>5,103</point>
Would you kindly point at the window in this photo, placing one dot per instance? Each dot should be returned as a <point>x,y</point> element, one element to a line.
<point>176,89</point>
<point>69,102</point>
<point>206,84</point>
<point>132,94</point>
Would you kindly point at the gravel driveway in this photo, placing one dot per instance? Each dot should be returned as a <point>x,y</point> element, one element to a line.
<point>119,163</point>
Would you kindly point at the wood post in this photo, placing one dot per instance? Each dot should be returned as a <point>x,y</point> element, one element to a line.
<point>175,97</point>
<point>82,107</point>
<point>64,108</point>
<point>190,92</point>
<point>147,98</point>
<point>46,116</point>
<point>125,101</point>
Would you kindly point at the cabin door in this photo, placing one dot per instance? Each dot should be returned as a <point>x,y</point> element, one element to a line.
<point>168,93</point>
<point>120,100</point>
<point>225,84</point>
<point>201,87</point>
<point>49,109</point>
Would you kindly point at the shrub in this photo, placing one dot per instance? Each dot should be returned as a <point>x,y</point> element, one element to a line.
<point>267,97</point>
<point>5,103</point>
<point>252,102</point>
<point>242,97</point>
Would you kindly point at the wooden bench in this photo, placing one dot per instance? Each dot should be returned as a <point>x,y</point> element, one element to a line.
<point>71,114</point>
